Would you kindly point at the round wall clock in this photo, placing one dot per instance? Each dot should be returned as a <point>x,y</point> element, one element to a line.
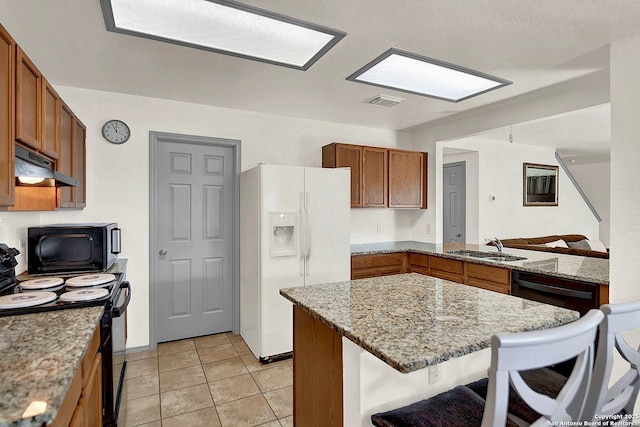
<point>116,131</point>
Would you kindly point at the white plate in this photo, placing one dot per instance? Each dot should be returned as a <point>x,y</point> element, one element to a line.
<point>84,294</point>
<point>42,283</point>
<point>26,299</point>
<point>90,280</point>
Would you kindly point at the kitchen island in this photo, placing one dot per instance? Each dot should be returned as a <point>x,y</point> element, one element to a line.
<point>40,355</point>
<point>362,346</point>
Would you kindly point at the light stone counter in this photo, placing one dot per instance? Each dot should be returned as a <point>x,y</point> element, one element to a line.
<point>411,321</point>
<point>39,356</point>
<point>588,269</point>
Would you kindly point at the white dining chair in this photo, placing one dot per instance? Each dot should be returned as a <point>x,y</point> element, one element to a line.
<point>514,356</point>
<point>617,401</point>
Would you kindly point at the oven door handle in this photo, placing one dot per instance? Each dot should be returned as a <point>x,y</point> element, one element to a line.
<point>118,311</point>
<point>553,289</point>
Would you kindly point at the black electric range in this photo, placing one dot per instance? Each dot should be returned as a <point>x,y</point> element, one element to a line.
<point>112,322</point>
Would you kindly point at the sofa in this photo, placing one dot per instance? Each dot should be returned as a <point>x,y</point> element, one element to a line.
<point>570,244</point>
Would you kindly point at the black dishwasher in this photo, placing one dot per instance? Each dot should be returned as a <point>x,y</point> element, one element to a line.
<point>561,292</point>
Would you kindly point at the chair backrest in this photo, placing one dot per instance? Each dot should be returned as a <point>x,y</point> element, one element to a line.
<point>511,353</point>
<point>604,400</point>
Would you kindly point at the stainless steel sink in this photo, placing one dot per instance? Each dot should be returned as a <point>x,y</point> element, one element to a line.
<point>493,256</point>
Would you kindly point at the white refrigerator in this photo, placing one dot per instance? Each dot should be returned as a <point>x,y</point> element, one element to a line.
<point>294,231</point>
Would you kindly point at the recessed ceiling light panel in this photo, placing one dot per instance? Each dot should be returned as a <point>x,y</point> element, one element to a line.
<point>408,72</point>
<point>225,27</point>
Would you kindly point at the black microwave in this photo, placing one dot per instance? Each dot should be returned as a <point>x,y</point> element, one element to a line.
<point>72,248</point>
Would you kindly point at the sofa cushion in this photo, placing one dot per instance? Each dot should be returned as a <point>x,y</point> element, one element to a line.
<point>597,245</point>
<point>557,244</point>
<point>580,244</point>
<point>572,237</point>
<point>542,240</point>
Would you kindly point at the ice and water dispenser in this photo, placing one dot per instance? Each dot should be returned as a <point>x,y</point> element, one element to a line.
<point>284,230</point>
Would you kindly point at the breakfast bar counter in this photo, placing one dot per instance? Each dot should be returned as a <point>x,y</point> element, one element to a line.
<point>361,346</point>
<point>40,354</point>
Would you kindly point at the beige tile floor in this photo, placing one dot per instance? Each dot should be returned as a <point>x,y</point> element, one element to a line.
<point>208,381</point>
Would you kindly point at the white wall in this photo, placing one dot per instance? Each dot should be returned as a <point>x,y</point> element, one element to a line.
<point>118,175</point>
<point>595,181</point>
<point>500,175</point>
<point>625,173</point>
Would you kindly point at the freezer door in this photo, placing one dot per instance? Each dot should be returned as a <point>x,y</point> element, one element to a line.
<point>281,190</point>
<point>328,225</point>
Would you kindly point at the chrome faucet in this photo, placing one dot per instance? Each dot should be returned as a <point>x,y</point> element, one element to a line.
<point>498,244</point>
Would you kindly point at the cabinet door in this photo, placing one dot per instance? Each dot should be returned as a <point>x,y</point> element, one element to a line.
<point>91,399</point>
<point>374,177</point>
<point>65,158</point>
<point>7,51</point>
<point>50,120</point>
<point>79,163</point>
<point>337,155</point>
<point>407,179</point>
<point>28,101</point>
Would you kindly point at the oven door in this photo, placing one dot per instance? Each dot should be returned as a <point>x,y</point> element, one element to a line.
<point>574,295</point>
<point>112,386</point>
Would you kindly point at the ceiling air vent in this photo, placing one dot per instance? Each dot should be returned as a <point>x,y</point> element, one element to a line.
<point>384,100</point>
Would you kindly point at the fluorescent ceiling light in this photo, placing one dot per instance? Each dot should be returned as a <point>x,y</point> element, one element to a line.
<point>408,72</point>
<point>223,26</point>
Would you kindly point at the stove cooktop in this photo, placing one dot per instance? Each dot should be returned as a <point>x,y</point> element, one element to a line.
<point>15,300</point>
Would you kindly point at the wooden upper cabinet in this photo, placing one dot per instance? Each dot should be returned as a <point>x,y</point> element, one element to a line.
<point>79,164</point>
<point>65,161</point>
<point>374,176</point>
<point>381,177</point>
<point>7,70</point>
<point>337,155</point>
<point>407,179</point>
<point>51,105</point>
<point>28,101</point>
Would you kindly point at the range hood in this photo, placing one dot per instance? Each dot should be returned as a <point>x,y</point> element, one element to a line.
<point>33,170</point>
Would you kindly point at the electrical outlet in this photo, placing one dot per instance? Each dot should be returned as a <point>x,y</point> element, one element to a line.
<point>379,228</point>
<point>435,374</point>
<point>428,228</point>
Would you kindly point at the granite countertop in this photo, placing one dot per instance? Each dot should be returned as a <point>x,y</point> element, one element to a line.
<point>411,321</point>
<point>39,356</point>
<point>588,269</point>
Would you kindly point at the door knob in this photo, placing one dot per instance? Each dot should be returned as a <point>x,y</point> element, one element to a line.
<point>162,252</point>
<point>457,235</point>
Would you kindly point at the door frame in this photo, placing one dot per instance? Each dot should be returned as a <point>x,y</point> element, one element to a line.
<point>464,195</point>
<point>155,138</point>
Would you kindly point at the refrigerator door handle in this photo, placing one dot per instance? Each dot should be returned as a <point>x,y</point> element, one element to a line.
<point>303,251</point>
<point>308,231</point>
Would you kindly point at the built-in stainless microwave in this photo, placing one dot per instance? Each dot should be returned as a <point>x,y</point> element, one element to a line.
<point>72,248</point>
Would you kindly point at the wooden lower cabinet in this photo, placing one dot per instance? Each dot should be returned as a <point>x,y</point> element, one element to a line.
<point>495,279</point>
<point>363,266</point>
<point>483,276</point>
<point>447,269</point>
<point>419,263</point>
<point>82,406</point>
